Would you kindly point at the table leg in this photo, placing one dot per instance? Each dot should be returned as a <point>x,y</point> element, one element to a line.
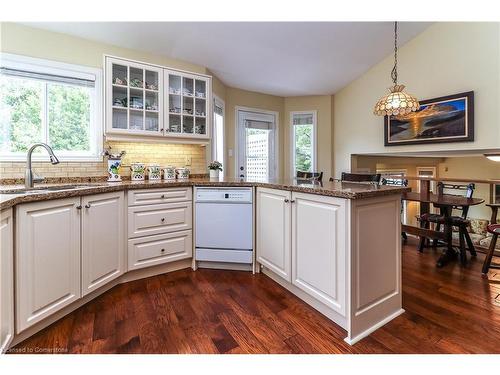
<point>450,252</point>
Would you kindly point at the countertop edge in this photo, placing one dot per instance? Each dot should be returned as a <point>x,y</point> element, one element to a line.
<point>10,200</point>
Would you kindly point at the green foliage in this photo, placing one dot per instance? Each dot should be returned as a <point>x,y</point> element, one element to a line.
<point>21,115</point>
<point>69,117</point>
<point>303,148</point>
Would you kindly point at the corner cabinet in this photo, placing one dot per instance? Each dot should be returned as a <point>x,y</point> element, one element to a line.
<point>145,100</point>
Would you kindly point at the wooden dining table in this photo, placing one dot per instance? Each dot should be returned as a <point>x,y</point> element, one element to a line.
<point>445,202</point>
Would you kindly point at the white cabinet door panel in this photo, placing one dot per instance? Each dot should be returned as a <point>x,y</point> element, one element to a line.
<point>103,249</point>
<point>47,259</point>
<point>6,280</point>
<point>273,231</point>
<point>319,248</point>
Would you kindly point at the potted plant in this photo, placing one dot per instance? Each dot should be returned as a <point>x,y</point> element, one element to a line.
<point>214,168</point>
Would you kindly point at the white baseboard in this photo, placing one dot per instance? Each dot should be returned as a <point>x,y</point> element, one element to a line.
<point>373,328</point>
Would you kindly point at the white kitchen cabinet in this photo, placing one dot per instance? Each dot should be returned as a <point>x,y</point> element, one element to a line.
<point>47,259</point>
<point>6,280</point>
<point>187,104</point>
<point>146,101</point>
<point>319,248</point>
<point>273,231</point>
<point>103,237</point>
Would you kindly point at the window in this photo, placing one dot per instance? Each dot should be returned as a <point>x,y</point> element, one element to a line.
<point>45,101</point>
<point>218,133</point>
<point>303,126</point>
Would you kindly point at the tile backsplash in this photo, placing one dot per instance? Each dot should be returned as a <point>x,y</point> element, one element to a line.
<point>163,154</point>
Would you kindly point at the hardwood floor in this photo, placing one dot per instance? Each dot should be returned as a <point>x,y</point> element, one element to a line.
<point>448,310</point>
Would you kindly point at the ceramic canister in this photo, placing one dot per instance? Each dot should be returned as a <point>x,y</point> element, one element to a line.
<point>138,171</point>
<point>154,172</point>
<point>114,170</point>
<point>168,172</point>
<point>182,173</point>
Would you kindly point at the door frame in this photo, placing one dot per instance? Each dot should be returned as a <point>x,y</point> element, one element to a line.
<point>276,136</point>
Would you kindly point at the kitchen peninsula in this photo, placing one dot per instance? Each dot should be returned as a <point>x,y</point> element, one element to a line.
<point>335,245</point>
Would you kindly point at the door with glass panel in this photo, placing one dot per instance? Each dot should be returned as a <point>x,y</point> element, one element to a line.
<point>256,145</point>
<point>135,97</point>
<point>187,104</point>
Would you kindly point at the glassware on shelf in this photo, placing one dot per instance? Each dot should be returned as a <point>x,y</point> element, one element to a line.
<point>187,87</point>
<point>151,80</point>
<point>136,102</point>
<point>200,89</point>
<point>174,122</point>
<point>151,123</point>
<point>119,74</point>
<point>119,118</point>
<point>200,126</point>
<point>136,120</point>
<point>187,124</point>
<point>174,86</point>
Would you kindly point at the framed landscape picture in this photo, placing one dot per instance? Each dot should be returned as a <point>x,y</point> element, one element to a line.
<point>445,119</point>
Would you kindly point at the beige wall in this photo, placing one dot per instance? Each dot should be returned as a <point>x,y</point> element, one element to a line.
<point>236,97</point>
<point>445,59</point>
<point>323,105</point>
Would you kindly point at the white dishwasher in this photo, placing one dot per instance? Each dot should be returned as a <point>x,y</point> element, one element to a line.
<point>224,225</point>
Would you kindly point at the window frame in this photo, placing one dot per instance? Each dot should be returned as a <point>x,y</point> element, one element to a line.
<point>96,117</point>
<point>314,163</point>
<point>220,103</point>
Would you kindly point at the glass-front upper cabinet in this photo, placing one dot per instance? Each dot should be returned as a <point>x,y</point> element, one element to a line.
<point>187,104</point>
<point>149,100</point>
<point>134,98</point>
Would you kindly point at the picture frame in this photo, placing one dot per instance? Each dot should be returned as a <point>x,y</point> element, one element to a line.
<point>440,120</point>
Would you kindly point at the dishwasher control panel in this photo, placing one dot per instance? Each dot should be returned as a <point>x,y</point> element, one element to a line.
<point>230,195</point>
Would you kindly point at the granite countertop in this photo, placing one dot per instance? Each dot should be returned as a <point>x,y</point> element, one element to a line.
<point>346,190</point>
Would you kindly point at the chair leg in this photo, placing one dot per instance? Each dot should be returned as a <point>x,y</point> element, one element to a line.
<point>470,245</point>
<point>435,241</point>
<point>403,234</point>
<point>489,256</point>
<point>421,243</point>
<point>463,251</point>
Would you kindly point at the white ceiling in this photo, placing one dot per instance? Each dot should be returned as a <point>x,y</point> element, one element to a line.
<point>279,58</point>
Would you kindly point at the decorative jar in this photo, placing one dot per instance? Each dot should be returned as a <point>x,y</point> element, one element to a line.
<point>138,171</point>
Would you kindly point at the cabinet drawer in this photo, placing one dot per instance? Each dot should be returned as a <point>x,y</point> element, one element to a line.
<point>164,248</point>
<point>159,219</point>
<point>156,196</point>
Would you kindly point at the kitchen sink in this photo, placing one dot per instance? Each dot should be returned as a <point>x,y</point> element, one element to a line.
<point>44,189</point>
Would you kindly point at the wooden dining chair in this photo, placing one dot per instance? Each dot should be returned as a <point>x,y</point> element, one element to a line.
<point>359,177</point>
<point>494,229</point>
<point>459,221</point>
<point>316,176</point>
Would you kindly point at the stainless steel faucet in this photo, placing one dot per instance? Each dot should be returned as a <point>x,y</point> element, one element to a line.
<point>28,175</point>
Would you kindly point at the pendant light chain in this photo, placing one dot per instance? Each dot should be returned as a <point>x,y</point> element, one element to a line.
<point>394,72</point>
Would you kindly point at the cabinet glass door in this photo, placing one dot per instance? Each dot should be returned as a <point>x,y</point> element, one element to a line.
<point>200,107</point>
<point>135,98</point>
<point>174,104</point>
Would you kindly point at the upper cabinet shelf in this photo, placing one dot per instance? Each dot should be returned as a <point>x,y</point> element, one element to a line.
<point>147,100</point>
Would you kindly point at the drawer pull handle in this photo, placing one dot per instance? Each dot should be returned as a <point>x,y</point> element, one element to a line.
<point>162,219</point>
<point>87,205</point>
<point>292,201</point>
<point>163,196</point>
<point>162,250</point>
<point>287,200</point>
<point>79,207</point>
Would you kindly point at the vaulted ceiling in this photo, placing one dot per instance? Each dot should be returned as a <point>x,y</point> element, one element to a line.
<point>279,58</point>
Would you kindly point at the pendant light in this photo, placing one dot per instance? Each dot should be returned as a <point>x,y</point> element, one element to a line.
<point>397,102</point>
